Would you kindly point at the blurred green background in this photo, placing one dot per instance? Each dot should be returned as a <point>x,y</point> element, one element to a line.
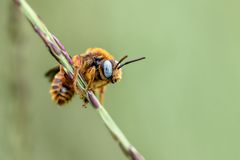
<point>181,103</point>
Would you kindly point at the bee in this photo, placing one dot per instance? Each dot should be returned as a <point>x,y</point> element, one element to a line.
<point>97,67</point>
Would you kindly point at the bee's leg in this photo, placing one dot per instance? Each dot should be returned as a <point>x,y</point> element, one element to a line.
<point>101,94</point>
<point>77,64</point>
<point>77,90</point>
<point>61,68</point>
<point>75,77</point>
<point>85,103</point>
<point>90,75</point>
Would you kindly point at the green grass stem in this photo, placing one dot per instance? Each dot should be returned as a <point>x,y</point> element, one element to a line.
<point>59,52</point>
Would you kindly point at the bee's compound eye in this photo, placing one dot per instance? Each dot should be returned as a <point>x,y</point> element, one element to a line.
<point>107,69</point>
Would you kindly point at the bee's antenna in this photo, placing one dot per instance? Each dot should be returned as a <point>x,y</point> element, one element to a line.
<point>138,59</point>
<point>120,61</point>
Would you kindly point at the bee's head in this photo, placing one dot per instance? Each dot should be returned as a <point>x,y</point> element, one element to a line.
<point>111,69</point>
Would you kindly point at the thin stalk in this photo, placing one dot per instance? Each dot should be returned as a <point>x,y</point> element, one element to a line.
<point>59,52</point>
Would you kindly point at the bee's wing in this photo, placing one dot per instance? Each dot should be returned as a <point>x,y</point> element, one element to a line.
<point>52,72</point>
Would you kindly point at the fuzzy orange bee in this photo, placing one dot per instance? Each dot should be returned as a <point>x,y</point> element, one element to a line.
<point>98,68</point>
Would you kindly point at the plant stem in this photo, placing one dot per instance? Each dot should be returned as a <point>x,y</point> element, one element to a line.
<point>59,52</point>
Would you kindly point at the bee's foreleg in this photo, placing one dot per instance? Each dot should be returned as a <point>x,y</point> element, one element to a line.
<point>101,94</point>
<point>90,75</point>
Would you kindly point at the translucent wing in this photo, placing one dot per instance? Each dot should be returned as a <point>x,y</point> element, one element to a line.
<point>52,72</point>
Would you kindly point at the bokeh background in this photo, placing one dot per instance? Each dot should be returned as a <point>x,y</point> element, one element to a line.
<point>181,103</point>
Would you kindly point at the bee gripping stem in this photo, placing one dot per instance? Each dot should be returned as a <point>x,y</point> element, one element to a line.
<point>59,52</point>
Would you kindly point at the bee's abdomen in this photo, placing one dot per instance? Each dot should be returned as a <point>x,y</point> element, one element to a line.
<point>61,89</point>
